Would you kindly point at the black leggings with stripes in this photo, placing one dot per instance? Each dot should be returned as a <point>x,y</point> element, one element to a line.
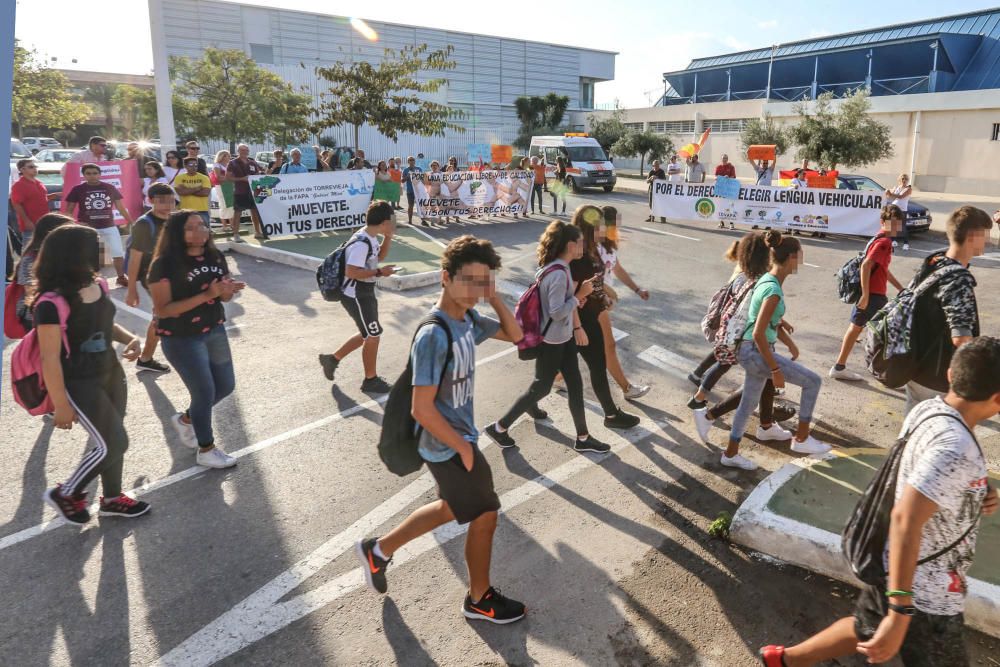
<point>99,403</point>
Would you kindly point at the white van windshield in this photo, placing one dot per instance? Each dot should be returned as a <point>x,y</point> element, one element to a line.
<point>586,154</point>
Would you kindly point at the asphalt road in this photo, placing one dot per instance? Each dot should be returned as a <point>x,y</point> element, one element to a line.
<point>253,566</point>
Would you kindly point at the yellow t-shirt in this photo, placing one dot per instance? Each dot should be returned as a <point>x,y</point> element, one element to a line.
<point>196,180</point>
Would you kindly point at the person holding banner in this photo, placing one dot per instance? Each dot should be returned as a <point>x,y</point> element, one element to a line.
<point>363,253</point>
<point>94,203</point>
<point>538,185</point>
<point>223,189</point>
<point>295,166</point>
<point>725,168</point>
<point>559,187</point>
<point>396,175</point>
<point>96,151</point>
<point>675,171</point>
<point>238,172</point>
<point>432,185</point>
<point>409,171</point>
<point>656,173</point>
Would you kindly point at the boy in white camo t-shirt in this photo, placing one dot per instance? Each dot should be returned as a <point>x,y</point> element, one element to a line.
<point>941,492</point>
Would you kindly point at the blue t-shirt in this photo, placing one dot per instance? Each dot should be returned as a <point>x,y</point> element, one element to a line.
<point>406,177</point>
<point>292,168</point>
<point>454,400</point>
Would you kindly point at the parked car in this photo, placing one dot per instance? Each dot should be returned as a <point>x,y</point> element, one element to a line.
<point>918,218</point>
<point>50,174</point>
<point>18,150</point>
<point>36,144</point>
<point>56,155</point>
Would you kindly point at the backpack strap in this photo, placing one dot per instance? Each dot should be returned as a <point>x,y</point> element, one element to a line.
<point>909,433</point>
<point>62,309</point>
<point>434,320</point>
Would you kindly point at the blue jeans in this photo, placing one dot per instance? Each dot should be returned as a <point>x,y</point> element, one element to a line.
<point>757,373</point>
<point>205,365</point>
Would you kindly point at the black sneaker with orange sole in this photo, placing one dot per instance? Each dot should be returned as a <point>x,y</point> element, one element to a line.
<point>72,508</point>
<point>494,607</point>
<point>372,566</point>
<point>123,506</point>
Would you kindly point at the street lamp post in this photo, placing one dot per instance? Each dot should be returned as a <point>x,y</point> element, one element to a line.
<point>770,66</point>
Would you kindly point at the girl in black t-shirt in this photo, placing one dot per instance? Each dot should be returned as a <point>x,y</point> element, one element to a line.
<point>189,281</point>
<point>83,377</point>
<point>589,220</point>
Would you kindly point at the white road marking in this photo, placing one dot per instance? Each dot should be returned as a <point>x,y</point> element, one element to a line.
<point>428,236</point>
<point>666,360</point>
<point>148,317</point>
<point>260,614</point>
<point>660,231</point>
<point>38,529</point>
<point>812,265</point>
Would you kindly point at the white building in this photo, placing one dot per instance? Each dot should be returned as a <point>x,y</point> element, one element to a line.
<point>491,72</point>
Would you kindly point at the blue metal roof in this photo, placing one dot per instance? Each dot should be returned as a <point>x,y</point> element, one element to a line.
<point>967,47</point>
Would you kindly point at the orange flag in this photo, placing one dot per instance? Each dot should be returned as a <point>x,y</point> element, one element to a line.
<point>693,149</point>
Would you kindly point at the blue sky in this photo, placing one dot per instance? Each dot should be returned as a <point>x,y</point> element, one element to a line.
<point>651,37</point>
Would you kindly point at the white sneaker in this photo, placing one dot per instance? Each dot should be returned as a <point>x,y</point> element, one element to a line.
<point>702,424</point>
<point>185,431</point>
<point>635,391</point>
<point>738,462</point>
<point>810,446</point>
<point>844,374</point>
<point>906,246</point>
<point>773,432</point>
<point>895,244</point>
<point>215,458</point>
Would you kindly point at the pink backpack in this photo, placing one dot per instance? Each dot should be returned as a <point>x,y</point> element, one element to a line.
<point>528,313</point>
<point>27,381</point>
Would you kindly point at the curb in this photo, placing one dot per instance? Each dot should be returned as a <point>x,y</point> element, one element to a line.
<point>819,551</point>
<point>396,283</point>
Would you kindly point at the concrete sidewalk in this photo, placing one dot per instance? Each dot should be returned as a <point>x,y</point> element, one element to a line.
<point>940,204</point>
<point>797,513</point>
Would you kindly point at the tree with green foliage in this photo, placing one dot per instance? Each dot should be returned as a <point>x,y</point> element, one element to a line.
<point>539,116</point>
<point>607,129</point>
<point>764,131</point>
<point>226,95</point>
<point>847,135</point>
<point>101,97</point>
<point>137,109</point>
<point>389,96</point>
<point>643,144</point>
<point>41,97</point>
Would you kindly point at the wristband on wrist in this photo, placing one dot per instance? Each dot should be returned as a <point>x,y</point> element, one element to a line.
<point>775,370</point>
<point>378,272</point>
<point>892,593</point>
<point>905,610</point>
<point>577,328</point>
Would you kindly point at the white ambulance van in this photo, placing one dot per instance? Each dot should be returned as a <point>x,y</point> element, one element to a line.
<point>586,164</point>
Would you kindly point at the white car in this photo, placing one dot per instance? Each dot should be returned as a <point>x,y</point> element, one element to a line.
<point>35,144</point>
<point>55,155</point>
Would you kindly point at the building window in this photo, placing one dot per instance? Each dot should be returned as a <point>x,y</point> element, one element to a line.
<point>672,127</point>
<point>262,54</point>
<point>730,125</point>
<point>586,94</point>
<point>996,132</point>
<point>633,126</point>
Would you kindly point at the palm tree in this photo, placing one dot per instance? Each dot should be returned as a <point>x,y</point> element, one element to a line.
<point>102,96</point>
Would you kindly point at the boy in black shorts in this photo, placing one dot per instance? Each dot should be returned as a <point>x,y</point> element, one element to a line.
<point>141,244</point>
<point>363,253</point>
<point>941,492</point>
<point>443,383</point>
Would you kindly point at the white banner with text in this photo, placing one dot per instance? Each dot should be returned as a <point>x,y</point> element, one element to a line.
<point>807,209</point>
<point>312,202</point>
<point>457,193</point>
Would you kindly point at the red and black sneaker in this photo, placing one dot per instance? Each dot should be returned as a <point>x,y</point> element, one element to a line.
<point>72,508</point>
<point>124,506</point>
<point>494,608</point>
<point>772,656</point>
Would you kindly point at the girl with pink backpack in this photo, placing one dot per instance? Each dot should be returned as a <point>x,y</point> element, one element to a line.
<point>78,373</point>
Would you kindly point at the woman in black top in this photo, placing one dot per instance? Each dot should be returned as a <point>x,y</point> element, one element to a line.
<point>589,219</point>
<point>82,374</point>
<point>656,173</point>
<point>189,281</point>
<point>558,188</point>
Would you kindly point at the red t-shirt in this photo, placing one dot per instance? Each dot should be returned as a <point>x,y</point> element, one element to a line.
<point>726,170</point>
<point>880,253</point>
<point>32,196</point>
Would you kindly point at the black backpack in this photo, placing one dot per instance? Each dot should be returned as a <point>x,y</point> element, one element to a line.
<point>867,531</point>
<point>330,274</point>
<point>849,275</point>
<point>397,444</point>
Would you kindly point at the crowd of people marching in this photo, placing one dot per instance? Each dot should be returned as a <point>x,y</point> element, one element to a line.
<point>953,379</point>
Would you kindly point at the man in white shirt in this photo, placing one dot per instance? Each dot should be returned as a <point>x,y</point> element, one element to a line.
<point>695,170</point>
<point>96,151</point>
<point>675,171</point>
<point>363,253</point>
